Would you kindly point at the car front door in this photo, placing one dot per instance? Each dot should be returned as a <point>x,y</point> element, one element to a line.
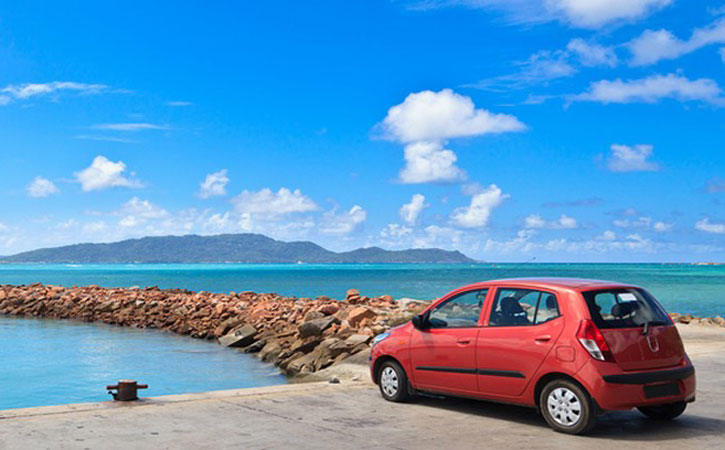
<point>443,354</point>
<point>522,327</point>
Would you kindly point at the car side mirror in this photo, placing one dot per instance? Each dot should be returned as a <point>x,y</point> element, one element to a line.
<point>420,322</point>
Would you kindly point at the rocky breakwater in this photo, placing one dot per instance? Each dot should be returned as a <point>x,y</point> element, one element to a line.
<point>299,335</point>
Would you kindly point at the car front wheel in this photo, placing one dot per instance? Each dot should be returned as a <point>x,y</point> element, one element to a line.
<point>393,382</point>
<point>664,412</point>
<point>567,407</point>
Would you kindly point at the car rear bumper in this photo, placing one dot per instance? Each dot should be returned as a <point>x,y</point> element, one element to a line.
<point>617,390</point>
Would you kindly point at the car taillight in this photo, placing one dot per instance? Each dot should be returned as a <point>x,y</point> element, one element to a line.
<point>593,341</point>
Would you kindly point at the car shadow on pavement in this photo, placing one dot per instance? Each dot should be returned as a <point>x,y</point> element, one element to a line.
<point>617,425</point>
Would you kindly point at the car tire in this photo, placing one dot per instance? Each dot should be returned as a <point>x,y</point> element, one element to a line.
<point>393,382</point>
<point>664,412</point>
<point>567,407</point>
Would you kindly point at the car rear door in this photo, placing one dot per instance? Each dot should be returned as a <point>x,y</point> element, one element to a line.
<point>443,356</point>
<point>522,327</point>
<point>621,315</point>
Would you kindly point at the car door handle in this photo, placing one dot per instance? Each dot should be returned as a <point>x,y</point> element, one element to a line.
<point>464,341</point>
<point>544,338</point>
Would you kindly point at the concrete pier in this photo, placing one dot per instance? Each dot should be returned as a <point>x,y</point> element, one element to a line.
<point>351,415</point>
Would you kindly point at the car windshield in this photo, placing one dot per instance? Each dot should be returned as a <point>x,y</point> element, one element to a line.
<point>624,308</point>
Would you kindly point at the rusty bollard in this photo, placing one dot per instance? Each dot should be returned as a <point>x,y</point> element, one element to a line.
<point>126,390</point>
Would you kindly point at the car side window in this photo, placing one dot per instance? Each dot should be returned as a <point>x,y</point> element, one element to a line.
<point>521,307</point>
<point>461,311</point>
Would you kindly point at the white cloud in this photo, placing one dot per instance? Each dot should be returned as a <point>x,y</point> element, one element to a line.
<point>271,204</point>
<point>597,13</point>
<point>429,162</point>
<point>607,235</point>
<point>143,209</point>
<point>41,187</point>
<point>425,120</point>
<point>410,212</point>
<point>130,126</point>
<point>395,231</point>
<point>214,184</point>
<point>178,103</point>
<point>651,90</point>
<point>104,174</point>
<point>29,90</point>
<point>436,116</point>
<point>661,227</point>
<point>591,55</point>
<point>710,227</point>
<point>540,68</point>
<point>577,13</point>
<point>343,223</point>
<point>478,212</point>
<point>655,45</point>
<point>625,158</point>
<point>563,222</point>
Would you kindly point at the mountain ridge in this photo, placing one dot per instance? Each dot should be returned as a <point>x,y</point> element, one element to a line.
<point>225,248</point>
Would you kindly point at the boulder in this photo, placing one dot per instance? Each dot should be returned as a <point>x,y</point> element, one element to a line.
<point>352,295</point>
<point>329,310</point>
<point>316,327</point>
<point>312,315</point>
<point>239,337</point>
<point>358,315</point>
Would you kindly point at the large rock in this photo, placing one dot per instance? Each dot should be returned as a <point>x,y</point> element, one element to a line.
<point>359,314</point>
<point>239,337</point>
<point>317,326</point>
<point>353,295</point>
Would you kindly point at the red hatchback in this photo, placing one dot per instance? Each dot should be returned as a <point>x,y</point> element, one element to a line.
<point>572,348</point>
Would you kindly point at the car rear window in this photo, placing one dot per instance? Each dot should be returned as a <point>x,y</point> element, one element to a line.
<point>624,308</point>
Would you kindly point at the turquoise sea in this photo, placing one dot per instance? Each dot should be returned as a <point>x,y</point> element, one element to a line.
<point>684,288</point>
<point>51,362</point>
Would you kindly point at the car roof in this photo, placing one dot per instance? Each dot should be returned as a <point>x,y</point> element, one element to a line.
<point>577,284</point>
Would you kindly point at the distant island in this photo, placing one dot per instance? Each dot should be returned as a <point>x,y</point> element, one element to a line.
<point>226,248</point>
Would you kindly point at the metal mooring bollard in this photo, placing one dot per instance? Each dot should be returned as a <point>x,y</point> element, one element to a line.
<point>126,390</point>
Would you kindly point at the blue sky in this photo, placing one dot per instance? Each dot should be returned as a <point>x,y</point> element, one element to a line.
<point>565,130</point>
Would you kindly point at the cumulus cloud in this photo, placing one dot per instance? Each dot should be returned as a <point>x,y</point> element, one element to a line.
<point>643,223</point>
<point>710,227</point>
<point>343,223</point>
<point>653,46</point>
<point>425,120</point>
<point>652,89</point>
<point>625,158</point>
<point>410,212</point>
<point>430,162</point>
<point>214,184</point>
<point>563,222</point>
<point>29,90</point>
<point>103,174</point>
<point>590,14</point>
<point>129,126</point>
<point>436,116</point>
<point>41,187</point>
<point>267,203</point>
<point>478,212</point>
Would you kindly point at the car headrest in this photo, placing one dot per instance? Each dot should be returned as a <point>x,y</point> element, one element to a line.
<point>623,309</point>
<point>551,302</point>
<point>511,306</point>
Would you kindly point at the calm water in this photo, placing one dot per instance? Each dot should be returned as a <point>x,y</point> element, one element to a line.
<point>49,362</point>
<point>683,288</point>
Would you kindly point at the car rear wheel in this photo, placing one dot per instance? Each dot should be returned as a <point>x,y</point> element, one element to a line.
<point>664,412</point>
<point>393,382</point>
<point>567,407</point>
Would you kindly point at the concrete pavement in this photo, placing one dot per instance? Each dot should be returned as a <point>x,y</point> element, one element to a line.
<point>352,415</point>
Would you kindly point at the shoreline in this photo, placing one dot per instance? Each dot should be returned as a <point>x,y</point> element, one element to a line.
<point>307,339</point>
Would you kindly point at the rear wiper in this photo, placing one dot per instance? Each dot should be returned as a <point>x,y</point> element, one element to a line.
<point>649,324</point>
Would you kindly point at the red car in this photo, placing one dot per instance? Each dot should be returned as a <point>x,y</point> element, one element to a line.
<point>572,348</point>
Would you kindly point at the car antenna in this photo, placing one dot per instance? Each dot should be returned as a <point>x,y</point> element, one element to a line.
<point>509,270</point>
